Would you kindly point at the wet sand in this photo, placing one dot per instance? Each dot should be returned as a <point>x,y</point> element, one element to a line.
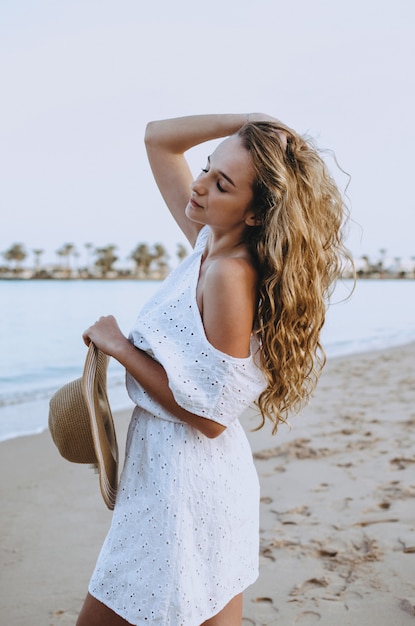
<point>337,510</point>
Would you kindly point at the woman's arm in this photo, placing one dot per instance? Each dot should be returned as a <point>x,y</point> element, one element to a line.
<point>167,141</point>
<point>107,336</point>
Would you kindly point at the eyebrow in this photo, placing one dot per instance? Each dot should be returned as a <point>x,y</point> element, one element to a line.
<point>224,175</point>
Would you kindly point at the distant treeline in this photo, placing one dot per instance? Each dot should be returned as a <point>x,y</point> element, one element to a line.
<point>151,262</point>
<point>148,261</point>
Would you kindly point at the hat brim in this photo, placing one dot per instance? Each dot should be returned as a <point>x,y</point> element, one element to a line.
<point>102,423</point>
<point>82,426</point>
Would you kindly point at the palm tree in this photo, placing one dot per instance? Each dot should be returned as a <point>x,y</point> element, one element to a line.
<point>381,264</point>
<point>160,257</point>
<point>17,254</point>
<point>368,268</point>
<point>143,259</point>
<point>181,252</point>
<point>89,247</point>
<point>106,259</point>
<point>66,251</point>
<point>37,252</point>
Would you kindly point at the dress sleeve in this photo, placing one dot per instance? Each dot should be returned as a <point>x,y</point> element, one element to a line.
<point>203,380</point>
<point>214,386</point>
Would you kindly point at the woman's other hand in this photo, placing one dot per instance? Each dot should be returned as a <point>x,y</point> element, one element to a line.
<point>106,335</point>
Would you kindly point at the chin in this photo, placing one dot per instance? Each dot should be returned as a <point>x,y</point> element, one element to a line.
<point>192,215</point>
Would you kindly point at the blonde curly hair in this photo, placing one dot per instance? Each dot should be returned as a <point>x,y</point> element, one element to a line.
<point>299,249</point>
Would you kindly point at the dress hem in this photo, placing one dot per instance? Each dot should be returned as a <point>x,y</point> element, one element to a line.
<point>199,623</point>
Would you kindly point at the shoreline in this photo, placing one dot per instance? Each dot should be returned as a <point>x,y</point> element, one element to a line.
<point>337,523</point>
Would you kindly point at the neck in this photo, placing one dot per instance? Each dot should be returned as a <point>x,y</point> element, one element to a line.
<point>223,244</point>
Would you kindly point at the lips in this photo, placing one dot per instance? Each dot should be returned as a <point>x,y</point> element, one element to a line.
<point>193,203</point>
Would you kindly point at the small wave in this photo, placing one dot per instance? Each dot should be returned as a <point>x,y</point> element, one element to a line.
<point>21,394</point>
<point>365,344</point>
<point>23,433</point>
<point>23,397</point>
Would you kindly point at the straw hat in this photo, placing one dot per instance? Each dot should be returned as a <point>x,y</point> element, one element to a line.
<point>81,424</point>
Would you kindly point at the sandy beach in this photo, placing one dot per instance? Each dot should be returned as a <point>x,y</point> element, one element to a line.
<point>337,510</point>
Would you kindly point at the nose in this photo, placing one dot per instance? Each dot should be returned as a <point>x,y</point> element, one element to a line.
<point>198,186</point>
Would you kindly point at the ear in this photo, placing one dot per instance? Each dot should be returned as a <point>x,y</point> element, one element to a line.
<point>252,220</point>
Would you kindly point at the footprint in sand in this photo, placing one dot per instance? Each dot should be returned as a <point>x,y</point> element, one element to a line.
<point>265,611</point>
<point>408,605</point>
<point>310,584</point>
<point>384,505</point>
<point>402,463</point>
<point>352,599</point>
<point>60,617</point>
<point>308,617</point>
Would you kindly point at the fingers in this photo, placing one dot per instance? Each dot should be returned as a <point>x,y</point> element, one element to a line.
<point>86,338</point>
<point>105,334</point>
<point>86,335</point>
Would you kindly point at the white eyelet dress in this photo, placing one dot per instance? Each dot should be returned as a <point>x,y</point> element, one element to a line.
<point>184,534</point>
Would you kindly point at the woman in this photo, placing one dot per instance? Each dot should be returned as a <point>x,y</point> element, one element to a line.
<point>238,321</point>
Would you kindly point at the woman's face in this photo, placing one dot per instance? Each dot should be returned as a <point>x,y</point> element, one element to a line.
<point>222,194</point>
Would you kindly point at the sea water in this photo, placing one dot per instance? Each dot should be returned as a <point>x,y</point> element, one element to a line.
<point>41,326</point>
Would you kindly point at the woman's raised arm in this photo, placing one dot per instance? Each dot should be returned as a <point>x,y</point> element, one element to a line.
<point>167,141</point>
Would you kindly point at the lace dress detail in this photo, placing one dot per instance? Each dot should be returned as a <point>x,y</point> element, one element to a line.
<point>184,534</point>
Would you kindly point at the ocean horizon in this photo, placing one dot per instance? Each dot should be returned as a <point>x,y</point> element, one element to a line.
<point>41,326</point>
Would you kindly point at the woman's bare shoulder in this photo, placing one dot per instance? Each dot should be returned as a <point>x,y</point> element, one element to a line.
<point>232,269</point>
<point>229,302</point>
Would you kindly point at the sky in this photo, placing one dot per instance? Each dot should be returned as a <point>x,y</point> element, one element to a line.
<point>80,79</point>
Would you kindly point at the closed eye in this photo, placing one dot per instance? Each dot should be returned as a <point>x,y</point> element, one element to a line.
<point>218,185</point>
